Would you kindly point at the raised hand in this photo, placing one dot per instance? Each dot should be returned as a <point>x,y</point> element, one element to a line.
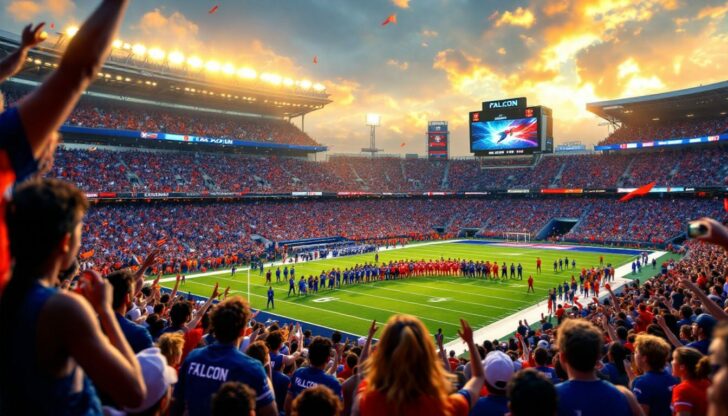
<point>33,36</point>
<point>96,290</point>
<point>225,293</point>
<point>373,329</point>
<point>215,292</point>
<point>465,332</point>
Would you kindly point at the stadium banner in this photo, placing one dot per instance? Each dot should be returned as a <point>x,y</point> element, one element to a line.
<point>517,103</point>
<point>437,140</point>
<point>562,191</point>
<point>306,193</point>
<point>662,143</point>
<point>656,189</point>
<point>129,134</point>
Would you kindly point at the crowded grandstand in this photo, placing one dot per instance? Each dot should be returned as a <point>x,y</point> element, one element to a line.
<point>175,244</point>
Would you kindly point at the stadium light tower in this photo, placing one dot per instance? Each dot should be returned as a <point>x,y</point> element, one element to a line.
<point>373,121</point>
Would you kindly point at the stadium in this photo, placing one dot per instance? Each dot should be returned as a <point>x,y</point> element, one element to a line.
<point>200,184</point>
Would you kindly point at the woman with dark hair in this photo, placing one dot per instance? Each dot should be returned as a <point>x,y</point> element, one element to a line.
<point>614,368</point>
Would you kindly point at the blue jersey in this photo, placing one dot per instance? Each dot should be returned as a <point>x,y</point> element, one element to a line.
<point>207,368</point>
<point>550,374</point>
<point>270,293</point>
<point>490,406</point>
<point>307,377</point>
<point>593,398</point>
<point>291,283</point>
<point>654,389</point>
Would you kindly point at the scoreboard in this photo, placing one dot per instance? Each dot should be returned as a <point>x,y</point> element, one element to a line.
<point>437,140</point>
<point>510,128</point>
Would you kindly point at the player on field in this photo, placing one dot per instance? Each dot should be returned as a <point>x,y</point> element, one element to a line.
<point>538,265</point>
<point>291,286</point>
<point>556,265</point>
<point>520,272</point>
<point>504,271</point>
<point>267,277</point>
<point>530,284</point>
<point>270,303</point>
<point>513,271</point>
<point>278,274</point>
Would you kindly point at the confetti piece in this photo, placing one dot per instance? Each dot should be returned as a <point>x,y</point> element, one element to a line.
<point>214,9</point>
<point>641,191</point>
<point>403,144</point>
<point>87,254</point>
<point>315,59</point>
<point>391,19</point>
<point>53,25</point>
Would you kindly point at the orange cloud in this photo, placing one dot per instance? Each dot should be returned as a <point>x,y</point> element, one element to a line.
<point>520,17</point>
<point>402,4</point>
<point>170,31</point>
<point>23,10</point>
<point>60,7</point>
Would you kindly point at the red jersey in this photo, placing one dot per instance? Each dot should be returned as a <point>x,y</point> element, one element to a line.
<point>691,396</point>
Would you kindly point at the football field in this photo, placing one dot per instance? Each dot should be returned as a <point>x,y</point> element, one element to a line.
<point>439,301</point>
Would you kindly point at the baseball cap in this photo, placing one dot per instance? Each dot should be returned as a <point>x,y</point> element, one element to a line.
<point>158,377</point>
<point>543,344</point>
<point>361,341</point>
<point>498,369</point>
<point>707,322</point>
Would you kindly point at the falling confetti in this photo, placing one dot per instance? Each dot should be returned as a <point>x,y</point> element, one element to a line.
<point>214,9</point>
<point>391,19</point>
<point>315,59</point>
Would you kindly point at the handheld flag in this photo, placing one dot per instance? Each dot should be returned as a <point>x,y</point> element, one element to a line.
<point>391,19</point>
<point>725,204</point>
<point>641,191</point>
<point>214,9</point>
<point>87,254</point>
<point>315,59</point>
<point>161,242</point>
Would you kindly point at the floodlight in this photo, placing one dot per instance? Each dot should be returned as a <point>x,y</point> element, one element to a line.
<point>274,79</point>
<point>71,31</point>
<point>139,49</point>
<point>373,120</point>
<point>247,73</point>
<point>194,62</point>
<point>228,69</point>
<point>176,58</point>
<point>318,87</point>
<point>287,82</point>
<point>306,84</point>
<point>157,54</point>
<point>117,44</point>
<point>212,66</point>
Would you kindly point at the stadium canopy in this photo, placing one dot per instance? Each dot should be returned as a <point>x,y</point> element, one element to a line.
<point>702,102</point>
<point>122,77</point>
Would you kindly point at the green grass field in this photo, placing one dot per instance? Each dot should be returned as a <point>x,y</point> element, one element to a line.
<point>438,301</point>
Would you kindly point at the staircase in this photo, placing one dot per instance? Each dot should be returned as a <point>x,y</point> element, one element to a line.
<point>625,175</point>
<point>444,184</point>
<point>359,180</point>
<point>557,179</point>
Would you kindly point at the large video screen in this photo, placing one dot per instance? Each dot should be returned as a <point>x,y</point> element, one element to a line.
<point>512,136</point>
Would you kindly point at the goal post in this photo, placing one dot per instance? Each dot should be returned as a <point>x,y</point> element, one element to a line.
<point>517,237</point>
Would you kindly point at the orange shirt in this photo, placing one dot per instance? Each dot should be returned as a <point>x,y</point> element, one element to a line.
<point>375,404</point>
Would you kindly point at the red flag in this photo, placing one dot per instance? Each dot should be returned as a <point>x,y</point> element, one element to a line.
<point>391,19</point>
<point>725,204</point>
<point>214,9</point>
<point>161,242</point>
<point>315,59</point>
<point>87,254</point>
<point>641,191</point>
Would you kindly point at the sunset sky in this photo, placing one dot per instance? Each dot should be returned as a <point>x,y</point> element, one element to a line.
<point>441,59</point>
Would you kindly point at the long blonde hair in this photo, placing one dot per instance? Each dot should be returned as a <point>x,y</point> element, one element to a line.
<point>405,365</point>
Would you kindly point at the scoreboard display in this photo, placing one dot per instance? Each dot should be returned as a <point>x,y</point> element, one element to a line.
<point>437,140</point>
<point>510,128</point>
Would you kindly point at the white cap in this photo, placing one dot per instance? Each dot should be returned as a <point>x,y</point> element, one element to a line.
<point>158,376</point>
<point>543,344</point>
<point>361,341</point>
<point>498,369</point>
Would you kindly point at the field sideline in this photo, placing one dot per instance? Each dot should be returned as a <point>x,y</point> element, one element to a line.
<point>438,301</point>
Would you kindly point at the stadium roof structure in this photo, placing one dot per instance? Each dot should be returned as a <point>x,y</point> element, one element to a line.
<point>122,76</point>
<point>705,101</point>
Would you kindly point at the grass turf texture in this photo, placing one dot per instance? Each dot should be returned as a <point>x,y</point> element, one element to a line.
<point>438,301</point>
